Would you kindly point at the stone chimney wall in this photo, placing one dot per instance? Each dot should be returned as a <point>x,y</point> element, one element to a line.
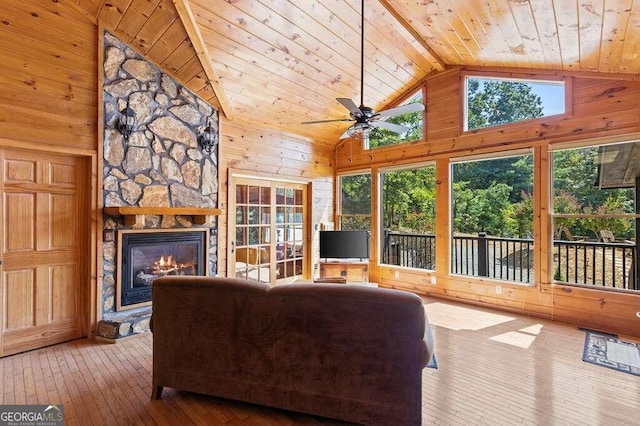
<point>161,164</point>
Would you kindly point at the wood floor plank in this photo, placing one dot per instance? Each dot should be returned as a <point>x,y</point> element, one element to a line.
<point>511,370</point>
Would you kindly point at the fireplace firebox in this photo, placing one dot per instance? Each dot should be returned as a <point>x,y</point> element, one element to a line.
<point>145,256</point>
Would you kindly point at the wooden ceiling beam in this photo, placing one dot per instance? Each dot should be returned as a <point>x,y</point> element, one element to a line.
<point>189,22</point>
<point>438,62</point>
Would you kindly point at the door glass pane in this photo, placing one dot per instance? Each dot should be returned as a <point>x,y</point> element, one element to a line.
<point>265,234</point>
<point>254,195</point>
<point>254,235</point>
<point>241,236</point>
<point>254,217</point>
<point>241,215</point>
<point>265,217</point>
<point>265,197</point>
<point>241,194</point>
<point>279,214</point>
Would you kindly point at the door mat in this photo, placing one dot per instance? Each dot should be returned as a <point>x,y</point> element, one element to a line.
<point>608,351</point>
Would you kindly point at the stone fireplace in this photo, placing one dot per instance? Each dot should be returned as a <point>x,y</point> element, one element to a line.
<point>159,172</point>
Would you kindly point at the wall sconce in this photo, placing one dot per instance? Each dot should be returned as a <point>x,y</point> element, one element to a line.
<point>209,137</point>
<point>127,122</point>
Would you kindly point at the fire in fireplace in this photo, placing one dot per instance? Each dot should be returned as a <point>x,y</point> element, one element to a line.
<point>145,256</point>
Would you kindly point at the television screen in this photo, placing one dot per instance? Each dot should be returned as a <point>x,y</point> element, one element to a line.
<point>344,244</point>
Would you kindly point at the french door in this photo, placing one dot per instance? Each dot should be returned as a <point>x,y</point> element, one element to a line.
<point>268,234</point>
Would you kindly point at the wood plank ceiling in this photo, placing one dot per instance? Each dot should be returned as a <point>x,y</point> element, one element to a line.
<point>279,63</point>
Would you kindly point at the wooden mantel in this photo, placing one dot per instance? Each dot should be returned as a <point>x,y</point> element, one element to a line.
<point>134,216</point>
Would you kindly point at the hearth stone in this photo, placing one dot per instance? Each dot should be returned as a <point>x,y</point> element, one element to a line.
<point>117,325</point>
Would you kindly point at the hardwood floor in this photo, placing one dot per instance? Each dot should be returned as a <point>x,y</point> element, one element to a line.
<point>495,368</point>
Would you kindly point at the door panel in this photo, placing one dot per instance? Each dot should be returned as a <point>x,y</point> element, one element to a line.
<point>42,242</point>
<point>18,301</point>
<point>19,216</point>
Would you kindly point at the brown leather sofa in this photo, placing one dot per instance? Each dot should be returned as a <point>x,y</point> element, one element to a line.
<point>349,352</point>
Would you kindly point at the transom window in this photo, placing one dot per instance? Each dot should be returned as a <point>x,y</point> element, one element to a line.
<point>491,101</point>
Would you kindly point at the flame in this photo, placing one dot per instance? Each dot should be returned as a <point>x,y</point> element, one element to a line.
<point>166,264</point>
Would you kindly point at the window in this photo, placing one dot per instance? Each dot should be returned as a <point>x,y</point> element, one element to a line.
<point>408,217</point>
<point>492,218</point>
<point>493,101</point>
<point>414,121</point>
<point>594,216</point>
<point>354,211</point>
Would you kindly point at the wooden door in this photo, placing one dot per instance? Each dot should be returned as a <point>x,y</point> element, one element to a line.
<point>268,234</point>
<point>42,215</point>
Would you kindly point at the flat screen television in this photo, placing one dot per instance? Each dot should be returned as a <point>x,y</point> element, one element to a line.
<point>344,244</point>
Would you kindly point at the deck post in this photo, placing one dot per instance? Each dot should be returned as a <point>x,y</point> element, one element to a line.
<point>483,258</point>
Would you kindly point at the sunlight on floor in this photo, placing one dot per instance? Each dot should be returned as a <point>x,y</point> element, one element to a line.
<point>515,338</point>
<point>459,318</point>
<point>522,338</point>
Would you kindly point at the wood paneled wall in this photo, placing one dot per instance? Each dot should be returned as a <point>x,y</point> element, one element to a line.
<point>598,109</point>
<point>258,151</point>
<point>49,74</point>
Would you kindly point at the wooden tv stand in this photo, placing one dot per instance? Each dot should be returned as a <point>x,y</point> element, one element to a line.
<point>352,270</point>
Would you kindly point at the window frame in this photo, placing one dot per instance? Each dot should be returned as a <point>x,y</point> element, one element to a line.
<point>488,156</point>
<point>466,75</point>
<point>552,215</point>
<point>396,168</point>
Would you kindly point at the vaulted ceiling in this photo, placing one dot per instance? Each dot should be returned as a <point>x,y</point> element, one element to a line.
<point>279,63</point>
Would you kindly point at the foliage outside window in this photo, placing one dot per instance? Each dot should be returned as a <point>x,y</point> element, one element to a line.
<point>355,202</point>
<point>493,101</point>
<point>594,225</point>
<point>492,218</point>
<point>408,217</point>
<point>381,137</point>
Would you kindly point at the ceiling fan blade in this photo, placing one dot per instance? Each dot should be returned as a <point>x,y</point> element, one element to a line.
<point>402,109</point>
<point>351,106</point>
<point>396,128</point>
<point>325,121</point>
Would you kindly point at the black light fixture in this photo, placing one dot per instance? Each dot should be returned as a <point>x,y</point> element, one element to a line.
<point>127,122</point>
<point>209,137</point>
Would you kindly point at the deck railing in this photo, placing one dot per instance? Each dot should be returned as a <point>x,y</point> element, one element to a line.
<point>511,259</point>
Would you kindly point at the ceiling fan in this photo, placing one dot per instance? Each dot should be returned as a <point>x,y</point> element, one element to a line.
<point>366,118</point>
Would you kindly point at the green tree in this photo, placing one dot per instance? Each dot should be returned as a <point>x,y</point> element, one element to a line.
<point>614,204</point>
<point>356,194</point>
<point>523,216</point>
<point>517,172</point>
<point>576,190</point>
<point>355,201</point>
<point>494,102</point>
<point>481,210</point>
<point>408,201</point>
